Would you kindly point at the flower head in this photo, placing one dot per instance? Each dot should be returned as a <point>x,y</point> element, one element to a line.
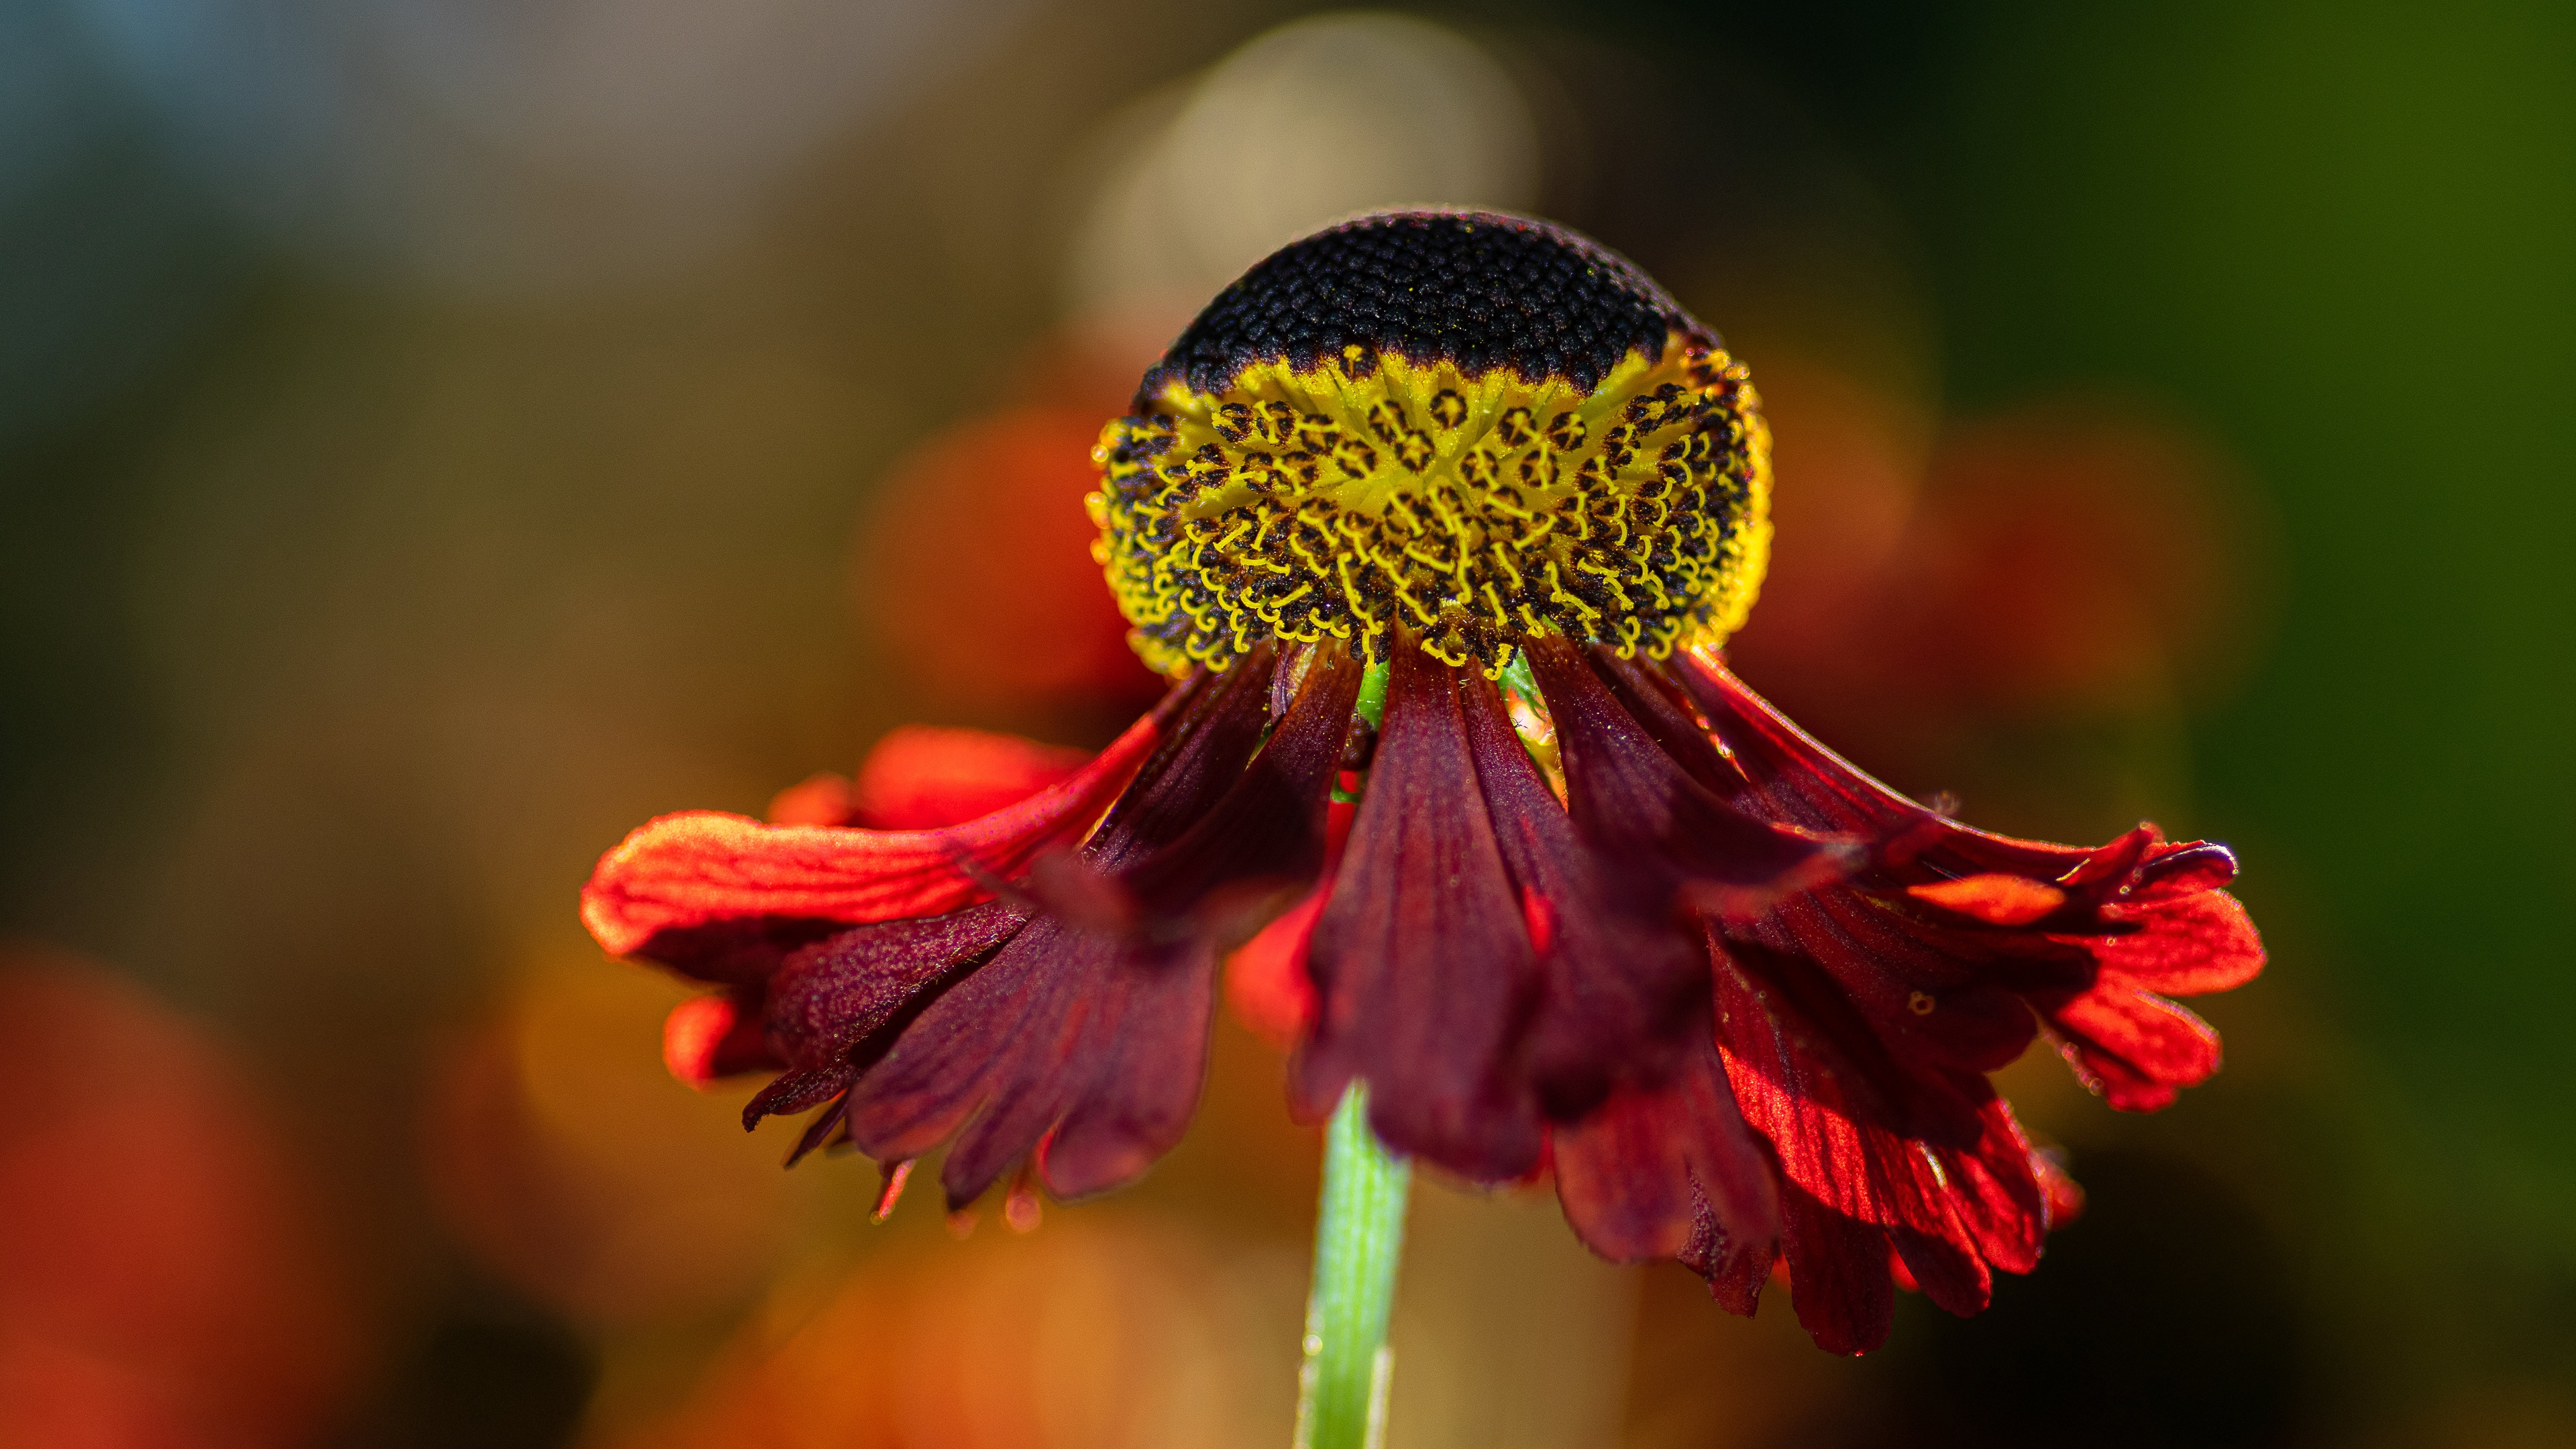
<point>1566,894</point>
<point>1474,427</point>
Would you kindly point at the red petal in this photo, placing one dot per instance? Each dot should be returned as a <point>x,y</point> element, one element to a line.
<point>1999,1191</point>
<point>1934,998</point>
<point>1421,962</point>
<point>1838,1278</point>
<point>1621,990</point>
<point>1996,899</point>
<point>1736,1268</point>
<point>2134,1048</point>
<point>1793,778</point>
<point>1865,1140</point>
<point>921,777</point>
<point>700,868</point>
<point>1636,1175</point>
<point>1634,803</point>
<point>2187,946</point>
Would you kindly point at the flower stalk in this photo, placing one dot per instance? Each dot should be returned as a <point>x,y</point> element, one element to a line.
<point>1359,1236</point>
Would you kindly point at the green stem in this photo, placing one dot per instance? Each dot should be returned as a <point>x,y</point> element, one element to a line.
<point>1359,1235</point>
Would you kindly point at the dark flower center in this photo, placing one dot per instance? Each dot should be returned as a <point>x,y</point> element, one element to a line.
<point>1432,475</point>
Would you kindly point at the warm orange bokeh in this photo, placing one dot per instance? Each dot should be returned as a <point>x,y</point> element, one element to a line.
<point>565,1160</point>
<point>1091,1333</point>
<point>162,1279</point>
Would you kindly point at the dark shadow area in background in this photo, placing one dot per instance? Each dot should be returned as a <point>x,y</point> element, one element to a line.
<point>2164,1319</point>
<point>491,1374</point>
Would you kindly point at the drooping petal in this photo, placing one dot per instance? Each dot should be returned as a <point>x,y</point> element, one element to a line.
<point>2000,1190</point>
<point>1838,1279</point>
<point>1933,999</point>
<point>1791,777</point>
<point>684,880</point>
<point>1634,803</point>
<point>1620,992</point>
<point>2134,1048</point>
<point>1919,1157</point>
<point>1638,1175</point>
<point>1422,966</point>
<point>1734,1267</point>
<point>2091,940</point>
<point>830,996</point>
<point>2183,946</point>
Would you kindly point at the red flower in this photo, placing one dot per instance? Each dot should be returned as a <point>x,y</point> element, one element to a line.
<point>1599,907</point>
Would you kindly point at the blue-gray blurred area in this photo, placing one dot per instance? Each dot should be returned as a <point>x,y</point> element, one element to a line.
<point>436,437</point>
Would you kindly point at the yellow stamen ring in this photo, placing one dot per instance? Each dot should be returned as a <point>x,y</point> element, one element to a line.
<point>1479,510</point>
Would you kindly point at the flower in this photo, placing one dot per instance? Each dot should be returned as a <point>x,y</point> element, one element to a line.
<point>1452,512</point>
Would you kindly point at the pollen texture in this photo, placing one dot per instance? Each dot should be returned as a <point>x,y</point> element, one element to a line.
<point>1480,478</point>
<point>1477,511</point>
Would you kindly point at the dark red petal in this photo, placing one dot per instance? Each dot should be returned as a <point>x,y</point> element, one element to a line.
<point>2132,1047</point>
<point>742,952</point>
<point>1633,803</point>
<point>1147,1082</point>
<point>941,1064</point>
<point>1838,1278</point>
<point>1736,1268</point>
<point>1650,700</point>
<point>794,1091</point>
<point>922,777</point>
<point>831,995</point>
<point>1793,778</point>
<point>701,868</point>
<point>1932,997</point>
<point>1621,991</point>
<point>1637,1176</point>
<point>1265,841</point>
<point>1423,970</point>
<point>2184,946</point>
<point>828,1128</point>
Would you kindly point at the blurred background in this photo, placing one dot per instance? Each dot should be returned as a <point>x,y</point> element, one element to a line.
<point>435,437</point>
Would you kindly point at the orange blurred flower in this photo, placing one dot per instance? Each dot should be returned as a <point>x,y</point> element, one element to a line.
<point>162,1279</point>
<point>2067,559</point>
<point>974,570</point>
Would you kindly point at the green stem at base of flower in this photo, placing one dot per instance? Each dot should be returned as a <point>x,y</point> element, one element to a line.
<point>1359,1236</point>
